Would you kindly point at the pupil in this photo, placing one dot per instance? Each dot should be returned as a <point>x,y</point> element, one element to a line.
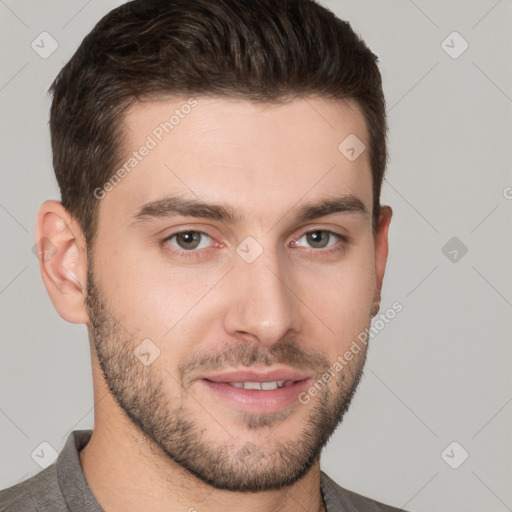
<point>317,237</point>
<point>189,238</point>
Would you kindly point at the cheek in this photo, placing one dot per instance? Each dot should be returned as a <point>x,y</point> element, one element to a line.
<point>154,300</point>
<point>342,298</point>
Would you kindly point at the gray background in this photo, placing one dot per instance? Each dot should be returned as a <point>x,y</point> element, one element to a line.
<point>438,373</point>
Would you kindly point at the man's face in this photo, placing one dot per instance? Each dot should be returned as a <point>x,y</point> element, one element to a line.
<point>265,296</point>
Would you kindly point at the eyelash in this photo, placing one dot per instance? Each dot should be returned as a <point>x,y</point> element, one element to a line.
<point>193,253</point>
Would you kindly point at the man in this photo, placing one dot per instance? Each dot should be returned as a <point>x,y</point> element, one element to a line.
<point>221,236</point>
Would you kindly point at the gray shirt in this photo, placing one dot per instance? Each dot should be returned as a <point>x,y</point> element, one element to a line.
<point>62,487</point>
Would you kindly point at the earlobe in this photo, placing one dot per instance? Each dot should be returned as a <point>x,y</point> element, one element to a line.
<point>381,254</point>
<point>61,250</point>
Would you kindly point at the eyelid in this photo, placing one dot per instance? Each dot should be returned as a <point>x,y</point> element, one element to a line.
<point>337,230</point>
<point>176,233</point>
<point>344,239</point>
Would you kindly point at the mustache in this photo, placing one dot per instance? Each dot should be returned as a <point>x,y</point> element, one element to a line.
<point>249,354</point>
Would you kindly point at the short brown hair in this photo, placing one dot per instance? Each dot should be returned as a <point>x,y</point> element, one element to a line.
<point>259,50</point>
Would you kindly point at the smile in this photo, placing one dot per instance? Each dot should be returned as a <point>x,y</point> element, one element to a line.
<point>255,392</point>
<point>263,386</point>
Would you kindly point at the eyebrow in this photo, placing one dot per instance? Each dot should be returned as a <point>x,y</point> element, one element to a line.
<point>172,206</point>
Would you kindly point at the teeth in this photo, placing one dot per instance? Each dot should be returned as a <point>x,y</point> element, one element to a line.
<point>252,385</point>
<point>261,386</point>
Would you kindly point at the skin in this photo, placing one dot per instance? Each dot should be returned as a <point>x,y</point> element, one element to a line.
<point>295,305</point>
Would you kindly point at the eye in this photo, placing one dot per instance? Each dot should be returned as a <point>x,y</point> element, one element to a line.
<point>188,240</point>
<point>320,239</point>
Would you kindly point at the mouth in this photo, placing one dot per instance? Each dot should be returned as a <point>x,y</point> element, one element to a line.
<point>257,392</point>
<point>262,386</point>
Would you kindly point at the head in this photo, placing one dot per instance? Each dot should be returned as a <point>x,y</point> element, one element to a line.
<point>213,228</point>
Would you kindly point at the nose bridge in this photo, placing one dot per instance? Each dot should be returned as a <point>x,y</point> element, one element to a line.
<point>262,303</point>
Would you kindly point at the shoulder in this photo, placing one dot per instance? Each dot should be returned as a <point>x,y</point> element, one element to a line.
<point>42,488</point>
<point>336,496</point>
<point>52,488</point>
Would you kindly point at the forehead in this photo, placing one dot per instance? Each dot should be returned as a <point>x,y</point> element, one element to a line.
<point>261,158</point>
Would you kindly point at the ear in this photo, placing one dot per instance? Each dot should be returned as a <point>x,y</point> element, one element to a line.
<point>381,254</point>
<point>62,253</point>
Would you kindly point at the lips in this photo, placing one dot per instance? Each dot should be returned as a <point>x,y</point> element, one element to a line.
<point>257,391</point>
<point>284,375</point>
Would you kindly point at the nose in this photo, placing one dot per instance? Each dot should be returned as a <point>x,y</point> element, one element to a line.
<point>262,305</point>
